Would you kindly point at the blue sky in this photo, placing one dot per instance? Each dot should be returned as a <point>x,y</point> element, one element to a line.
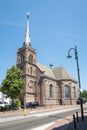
<point>55,27</point>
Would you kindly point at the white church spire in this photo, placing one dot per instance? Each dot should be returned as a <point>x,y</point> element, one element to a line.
<point>27,32</point>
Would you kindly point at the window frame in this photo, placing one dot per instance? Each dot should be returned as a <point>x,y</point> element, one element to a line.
<point>31,59</point>
<point>50,90</point>
<point>66,91</point>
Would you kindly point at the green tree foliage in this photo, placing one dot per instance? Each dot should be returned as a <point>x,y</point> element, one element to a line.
<point>84,94</point>
<point>12,85</point>
<point>0,88</point>
<point>18,103</point>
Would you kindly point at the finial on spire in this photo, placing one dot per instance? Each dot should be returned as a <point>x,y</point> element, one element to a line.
<point>27,32</point>
<point>28,14</point>
<point>51,65</point>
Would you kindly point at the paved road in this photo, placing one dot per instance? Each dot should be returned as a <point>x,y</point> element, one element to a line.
<point>38,119</point>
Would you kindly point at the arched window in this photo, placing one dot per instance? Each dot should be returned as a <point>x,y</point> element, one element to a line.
<point>50,90</point>
<point>67,95</point>
<point>22,58</point>
<point>31,59</point>
<point>74,92</point>
<point>18,59</point>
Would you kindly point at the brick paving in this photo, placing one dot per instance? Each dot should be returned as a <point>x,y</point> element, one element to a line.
<point>68,124</point>
<point>61,124</point>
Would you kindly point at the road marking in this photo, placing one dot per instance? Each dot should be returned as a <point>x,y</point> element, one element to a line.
<point>53,112</point>
<point>43,127</point>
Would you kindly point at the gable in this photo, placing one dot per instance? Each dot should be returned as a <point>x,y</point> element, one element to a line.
<point>46,71</point>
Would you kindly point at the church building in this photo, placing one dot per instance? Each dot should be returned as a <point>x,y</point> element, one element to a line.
<point>47,85</point>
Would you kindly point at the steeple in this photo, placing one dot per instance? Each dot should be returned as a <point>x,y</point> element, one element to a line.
<point>27,32</point>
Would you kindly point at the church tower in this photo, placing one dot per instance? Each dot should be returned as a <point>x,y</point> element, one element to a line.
<point>26,61</point>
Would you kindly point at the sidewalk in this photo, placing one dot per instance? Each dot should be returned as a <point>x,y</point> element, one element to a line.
<point>68,124</point>
<point>81,125</point>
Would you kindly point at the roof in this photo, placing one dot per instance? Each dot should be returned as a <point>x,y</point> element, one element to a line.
<point>58,73</point>
<point>61,74</point>
<point>47,71</point>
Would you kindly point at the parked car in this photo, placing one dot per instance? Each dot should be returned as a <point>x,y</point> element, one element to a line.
<point>36,104</point>
<point>28,104</point>
<point>32,104</point>
<point>83,100</point>
<point>2,104</point>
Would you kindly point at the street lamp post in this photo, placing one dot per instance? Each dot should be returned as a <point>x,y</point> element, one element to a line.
<point>76,58</point>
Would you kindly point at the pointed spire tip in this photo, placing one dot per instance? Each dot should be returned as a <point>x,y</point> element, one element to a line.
<point>28,14</point>
<point>27,32</point>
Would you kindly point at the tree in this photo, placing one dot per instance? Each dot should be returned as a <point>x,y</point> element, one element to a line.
<point>13,83</point>
<point>84,94</point>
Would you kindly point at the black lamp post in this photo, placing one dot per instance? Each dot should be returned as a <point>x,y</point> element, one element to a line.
<point>76,58</point>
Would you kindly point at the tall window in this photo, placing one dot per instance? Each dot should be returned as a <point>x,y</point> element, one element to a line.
<point>50,90</point>
<point>74,92</point>
<point>31,58</point>
<point>31,70</point>
<point>67,95</point>
<point>22,58</point>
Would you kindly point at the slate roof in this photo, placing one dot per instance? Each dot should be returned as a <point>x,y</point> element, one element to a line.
<point>61,74</point>
<point>58,73</point>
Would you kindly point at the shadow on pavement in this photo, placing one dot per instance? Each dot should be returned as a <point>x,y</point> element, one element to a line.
<point>60,127</point>
<point>68,124</point>
<point>62,123</point>
<point>81,125</point>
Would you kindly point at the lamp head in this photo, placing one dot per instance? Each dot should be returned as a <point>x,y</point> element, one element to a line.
<point>69,56</point>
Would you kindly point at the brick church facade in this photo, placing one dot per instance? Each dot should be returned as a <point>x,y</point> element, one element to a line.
<point>48,86</point>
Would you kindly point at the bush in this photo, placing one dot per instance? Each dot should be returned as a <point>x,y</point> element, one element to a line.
<point>2,108</point>
<point>18,103</point>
